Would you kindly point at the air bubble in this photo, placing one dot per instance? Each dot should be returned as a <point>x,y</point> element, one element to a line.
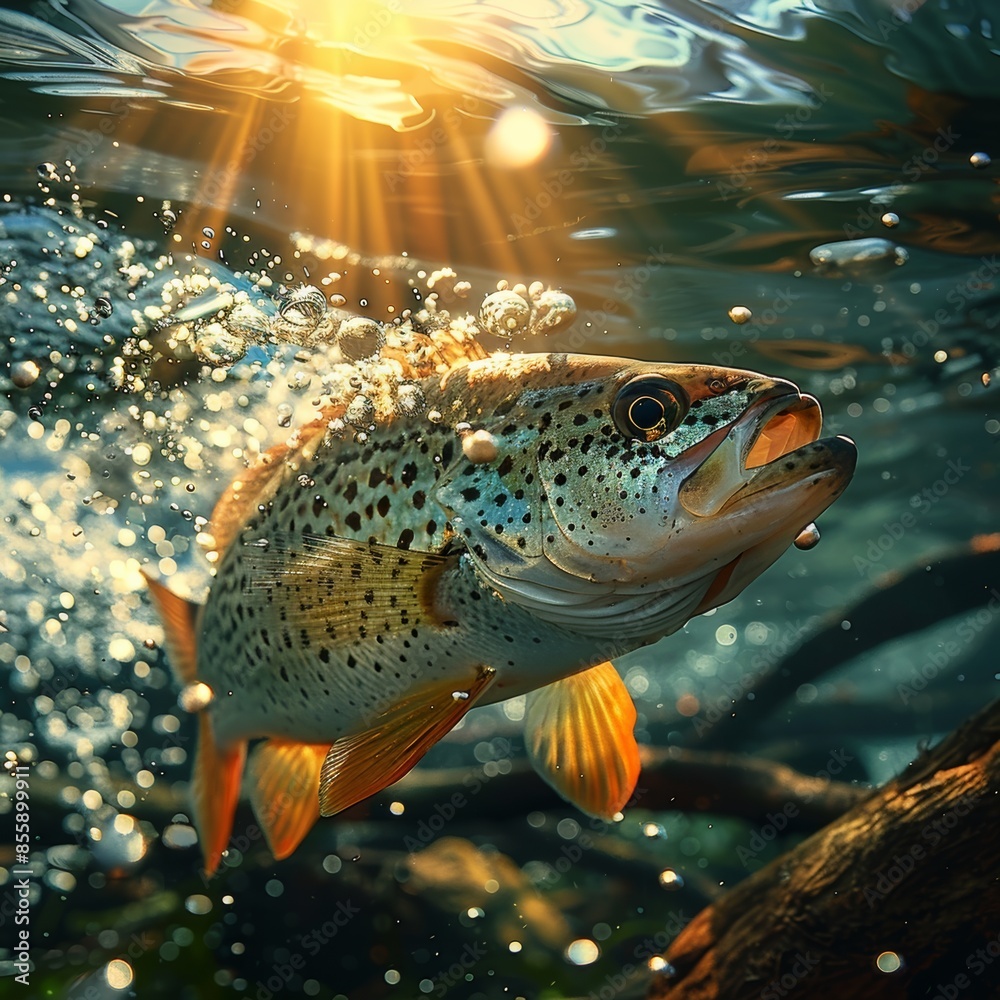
<point>504,314</point>
<point>479,447</point>
<point>553,310</point>
<point>671,879</point>
<point>360,338</point>
<point>360,412</point>
<point>583,951</point>
<point>807,538</point>
<point>24,373</point>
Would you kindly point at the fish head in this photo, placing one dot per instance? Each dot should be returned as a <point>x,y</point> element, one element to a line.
<point>631,495</point>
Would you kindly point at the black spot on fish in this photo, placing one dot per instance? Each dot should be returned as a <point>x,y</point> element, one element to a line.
<point>470,493</point>
<point>324,655</point>
<point>353,521</point>
<point>447,452</point>
<point>284,673</point>
<point>375,477</point>
<point>383,506</point>
<point>405,538</point>
<point>560,479</point>
<point>501,498</point>
<point>409,474</point>
<point>580,419</point>
<point>418,499</point>
<point>351,491</point>
<point>369,597</point>
<point>351,662</point>
<point>505,466</point>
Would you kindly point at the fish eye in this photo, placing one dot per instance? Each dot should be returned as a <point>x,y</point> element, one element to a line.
<point>648,408</point>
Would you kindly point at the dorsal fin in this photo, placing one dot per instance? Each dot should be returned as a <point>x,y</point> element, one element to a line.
<point>257,483</point>
<point>180,625</point>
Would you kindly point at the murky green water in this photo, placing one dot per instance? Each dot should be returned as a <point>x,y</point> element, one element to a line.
<point>674,161</point>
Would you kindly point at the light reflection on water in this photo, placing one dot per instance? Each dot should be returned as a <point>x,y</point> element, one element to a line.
<point>695,158</point>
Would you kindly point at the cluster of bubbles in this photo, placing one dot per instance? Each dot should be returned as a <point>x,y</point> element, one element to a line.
<point>509,312</point>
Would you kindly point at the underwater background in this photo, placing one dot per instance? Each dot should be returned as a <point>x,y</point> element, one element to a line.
<point>664,164</point>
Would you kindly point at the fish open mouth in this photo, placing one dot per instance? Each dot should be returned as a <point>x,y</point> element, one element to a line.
<point>773,474</point>
<point>792,425</point>
<point>775,446</point>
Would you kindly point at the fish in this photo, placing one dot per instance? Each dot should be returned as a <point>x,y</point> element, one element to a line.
<point>461,528</point>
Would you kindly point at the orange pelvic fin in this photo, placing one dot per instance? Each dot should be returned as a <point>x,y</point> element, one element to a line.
<point>285,791</point>
<point>578,734</point>
<point>215,790</point>
<point>361,765</point>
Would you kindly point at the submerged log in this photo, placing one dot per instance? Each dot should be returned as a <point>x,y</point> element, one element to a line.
<point>958,580</point>
<point>900,897</point>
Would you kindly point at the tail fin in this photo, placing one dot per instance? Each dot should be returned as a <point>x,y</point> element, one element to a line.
<point>215,784</point>
<point>215,790</point>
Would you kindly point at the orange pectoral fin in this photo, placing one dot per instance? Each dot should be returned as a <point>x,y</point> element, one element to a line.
<point>285,791</point>
<point>215,790</point>
<point>361,765</point>
<point>578,734</point>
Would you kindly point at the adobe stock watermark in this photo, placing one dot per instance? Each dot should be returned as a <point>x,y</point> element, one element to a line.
<point>938,659</point>
<point>18,902</point>
<point>281,974</point>
<point>957,296</point>
<point>783,300</point>
<point>878,546</point>
<point>648,948</point>
<point>777,822</point>
<point>976,962</point>
<point>782,985</point>
<point>445,812</point>
<point>470,957</point>
<point>219,182</point>
<point>91,140</point>
<point>905,862</point>
<point>785,127</point>
<point>427,143</point>
<point>911,171</point>
<point>721,706</point>
<point>625,288</point>
<point>553,188</point>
